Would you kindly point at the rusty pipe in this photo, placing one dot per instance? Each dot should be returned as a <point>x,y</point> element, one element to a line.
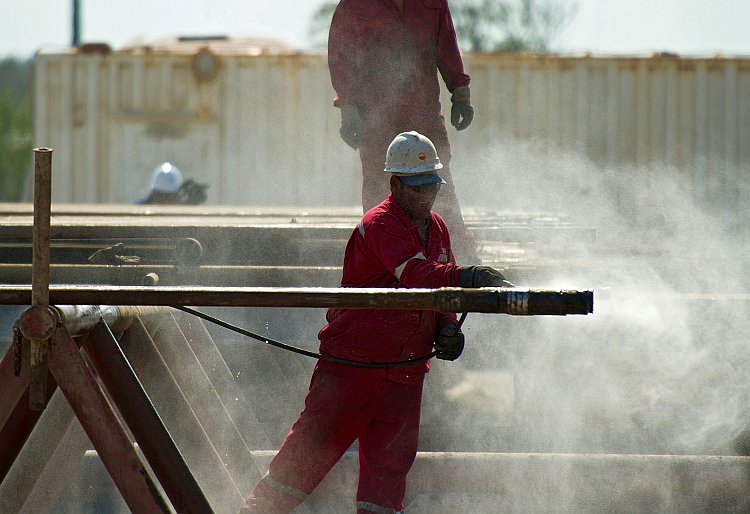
<point>40,272</point>
<point>514,301</point>
<point>41,230</point>
<point>79,319</point>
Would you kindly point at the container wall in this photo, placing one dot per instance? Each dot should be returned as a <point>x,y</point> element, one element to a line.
<point>262,130</point>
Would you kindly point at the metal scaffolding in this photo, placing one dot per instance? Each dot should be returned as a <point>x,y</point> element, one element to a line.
<point>117,367</point>
<point>102,347</point>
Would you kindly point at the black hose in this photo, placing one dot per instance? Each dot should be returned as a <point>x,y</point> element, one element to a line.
<point>301,351</point>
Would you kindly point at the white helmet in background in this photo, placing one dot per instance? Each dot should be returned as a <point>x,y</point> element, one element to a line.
<point>413,158</point>
<point>167,179</point>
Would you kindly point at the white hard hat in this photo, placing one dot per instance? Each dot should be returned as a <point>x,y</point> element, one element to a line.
<point>167,179</point>
<point>412,157</point>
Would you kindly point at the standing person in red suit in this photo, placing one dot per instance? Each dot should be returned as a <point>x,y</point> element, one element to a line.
<point>384,57</point>
<point>400,242</point>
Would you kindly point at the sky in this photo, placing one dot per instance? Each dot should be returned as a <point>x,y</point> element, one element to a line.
<point>688,27</point>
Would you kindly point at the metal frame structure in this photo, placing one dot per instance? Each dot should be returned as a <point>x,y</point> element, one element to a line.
<point>107,396</point>
<point>152,393</point>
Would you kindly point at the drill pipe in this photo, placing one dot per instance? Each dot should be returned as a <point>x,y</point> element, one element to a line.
<point>79,319</point>
<point>514,301</point>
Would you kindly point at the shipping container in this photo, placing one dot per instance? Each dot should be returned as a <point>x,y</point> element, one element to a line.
<point>259,126</point>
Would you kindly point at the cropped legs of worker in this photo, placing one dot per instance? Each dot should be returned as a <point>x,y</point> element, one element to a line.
<point>377,134</point>
<point>387,449</point>
<point>343,404</point>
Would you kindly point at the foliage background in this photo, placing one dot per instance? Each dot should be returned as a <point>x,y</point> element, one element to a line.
<point>15,127</point>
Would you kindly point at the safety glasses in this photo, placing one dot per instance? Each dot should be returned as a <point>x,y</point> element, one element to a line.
<point>423,188</point>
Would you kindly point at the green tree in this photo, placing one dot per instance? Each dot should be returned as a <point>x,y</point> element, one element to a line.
<point>15,127</point>
<point>487,25</point>
<point>511,25</point>
<point>479,23</point>
<point>320,22</point>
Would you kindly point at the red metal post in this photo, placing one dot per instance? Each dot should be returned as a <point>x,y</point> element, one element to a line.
<point>141,417</point>
<point>102,426</point>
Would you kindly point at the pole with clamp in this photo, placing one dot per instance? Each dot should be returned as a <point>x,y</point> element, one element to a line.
<point>38,323</point>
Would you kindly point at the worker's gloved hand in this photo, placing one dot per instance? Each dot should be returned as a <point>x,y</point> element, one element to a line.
<point>481,276</point>
<point>112,255</point>
<point>461,112</point>
<point>192,193</point>
<point>450,343</point>
<point>351,126</point>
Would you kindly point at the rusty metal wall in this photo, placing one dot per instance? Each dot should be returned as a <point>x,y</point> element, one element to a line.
<point>263,130</point>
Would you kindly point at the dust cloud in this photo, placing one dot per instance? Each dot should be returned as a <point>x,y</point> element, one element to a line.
<point>658,369</point>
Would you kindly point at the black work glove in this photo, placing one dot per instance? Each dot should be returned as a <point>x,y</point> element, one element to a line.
<point>461,112</point>
<point>481,276</point>
<point>351,126</point>
<point>450,343</point>
<point>192,193</point>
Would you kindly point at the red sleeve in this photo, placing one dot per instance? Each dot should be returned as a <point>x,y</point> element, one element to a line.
<point>395,248</point>
<point>343,55</point>
<point>427,273</point>
<point>449,60</point>
<point>446,318</point>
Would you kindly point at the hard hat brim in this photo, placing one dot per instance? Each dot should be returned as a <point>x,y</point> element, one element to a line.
<point>414,170</point>
<point>421,179</point>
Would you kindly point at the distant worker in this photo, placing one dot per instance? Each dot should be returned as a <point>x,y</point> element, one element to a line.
<point>169,188</point>
<point>384,56</point>
<point>399,243</point>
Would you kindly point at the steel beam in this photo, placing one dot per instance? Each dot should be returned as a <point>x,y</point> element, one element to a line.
<point>555,482</point>
<point>222,381</point>
<point>61,472</point>
<point>47,461</point>
<point>144,422</point>
<point>16,430</point>
<point>207,405</point>
<point>102,426</point>
<point>217,276</point>
<point>145,227</point>
<point>180,419</point>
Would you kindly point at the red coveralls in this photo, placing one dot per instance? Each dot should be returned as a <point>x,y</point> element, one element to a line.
<point>385,62</point>
<point>378,407</point>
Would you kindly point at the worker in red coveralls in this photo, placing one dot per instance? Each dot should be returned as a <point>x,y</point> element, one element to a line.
<point>398,243</point>
<point>384,57</point>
